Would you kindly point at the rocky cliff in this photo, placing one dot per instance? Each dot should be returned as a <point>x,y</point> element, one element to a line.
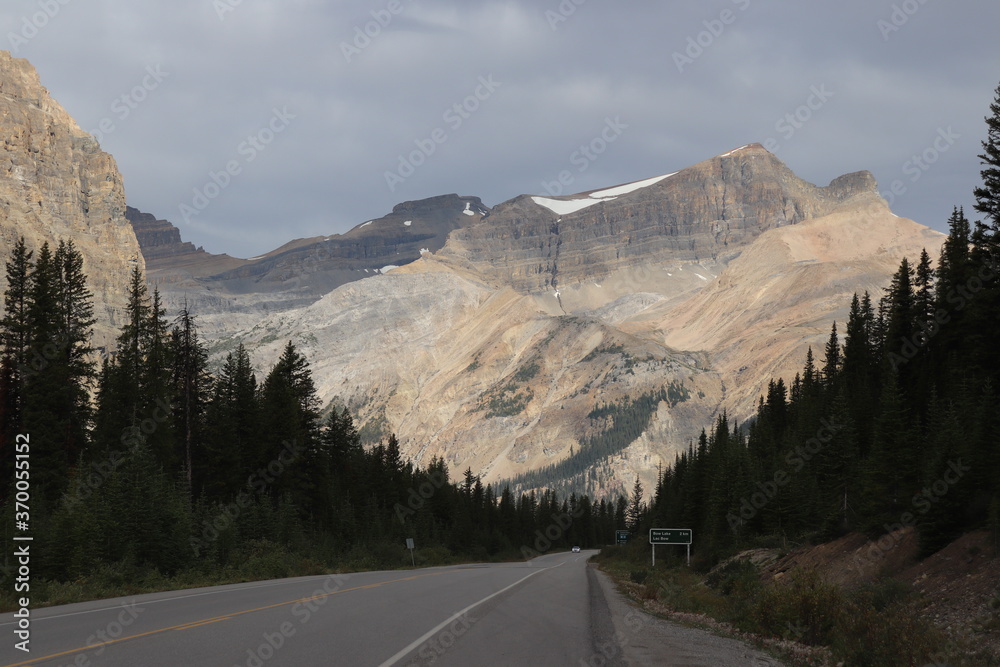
<point>56,183</point>
<point>705,213</point>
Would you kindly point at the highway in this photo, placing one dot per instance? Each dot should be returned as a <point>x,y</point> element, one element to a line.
<point>547,611</point>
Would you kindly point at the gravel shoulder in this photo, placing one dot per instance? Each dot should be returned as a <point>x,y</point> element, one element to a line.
<point>630,636</point>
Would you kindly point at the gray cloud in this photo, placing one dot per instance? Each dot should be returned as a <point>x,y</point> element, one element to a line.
<point>893,93</point>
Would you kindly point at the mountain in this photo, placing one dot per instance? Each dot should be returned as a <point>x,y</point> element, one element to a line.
<point>58,184</point>
<point>585,339</point>
<point>300,271</point>
<point>580,340</point>
<point>168,258</point>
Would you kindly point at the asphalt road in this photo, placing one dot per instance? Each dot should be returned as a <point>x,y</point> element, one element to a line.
<point>548,611</point>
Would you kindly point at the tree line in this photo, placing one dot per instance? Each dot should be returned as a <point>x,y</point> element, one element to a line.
<point>145,460</point>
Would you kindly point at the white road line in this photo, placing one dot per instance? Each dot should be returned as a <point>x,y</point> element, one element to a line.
<point>433,631</point>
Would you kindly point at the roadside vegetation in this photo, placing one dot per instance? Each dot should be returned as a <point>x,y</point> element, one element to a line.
<point>802,619</point>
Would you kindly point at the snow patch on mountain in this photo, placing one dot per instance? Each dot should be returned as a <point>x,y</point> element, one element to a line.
<point>565,207</point>
<point>734,150</point>
<point>629,187</point>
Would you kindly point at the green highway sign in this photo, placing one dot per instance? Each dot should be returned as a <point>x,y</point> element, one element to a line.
<point>621,537</point>
<point>670,536</point>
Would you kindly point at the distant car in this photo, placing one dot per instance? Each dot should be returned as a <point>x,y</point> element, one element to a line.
<point>576,550</point>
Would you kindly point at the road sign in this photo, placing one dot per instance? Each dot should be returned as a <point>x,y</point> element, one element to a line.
<point>670,536</point>
<point>409,545</point>
<point>621,537</point>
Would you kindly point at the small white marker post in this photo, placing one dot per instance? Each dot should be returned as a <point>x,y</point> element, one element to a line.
<point>409,545</point>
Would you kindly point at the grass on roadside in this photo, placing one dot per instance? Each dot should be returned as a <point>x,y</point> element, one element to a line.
<point>878,625</point>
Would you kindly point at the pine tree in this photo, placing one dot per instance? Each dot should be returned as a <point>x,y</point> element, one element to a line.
<point>635,508</point>
<point>923,298</point>
<point>232,444</point>
<point>892,473</point>
<point>16,342</point>
<point>831,364</point>
<point>15,328</point>
<point>191,385</point>
<point>291,434</point>
<point>158,391</point>
<point>59,372</point>
<point>898,306</point>
<point>984,312</point>
<point>988,194</point>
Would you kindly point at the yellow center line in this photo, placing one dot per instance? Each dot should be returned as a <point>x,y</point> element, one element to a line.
<point>197,623</point>
<point>206,621</point>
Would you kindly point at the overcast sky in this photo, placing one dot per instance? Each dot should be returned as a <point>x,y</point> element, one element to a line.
<point>300,115</point>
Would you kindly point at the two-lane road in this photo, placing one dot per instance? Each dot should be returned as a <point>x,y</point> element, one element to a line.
<point>547,611</point>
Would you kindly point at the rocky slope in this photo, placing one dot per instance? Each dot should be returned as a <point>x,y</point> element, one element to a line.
<point>56,183</point>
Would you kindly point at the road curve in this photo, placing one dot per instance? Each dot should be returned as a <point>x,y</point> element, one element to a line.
<point>525,613</point>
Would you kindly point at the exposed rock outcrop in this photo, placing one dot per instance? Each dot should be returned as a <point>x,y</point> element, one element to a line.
<point>705,213</point>
<point>56,183</point>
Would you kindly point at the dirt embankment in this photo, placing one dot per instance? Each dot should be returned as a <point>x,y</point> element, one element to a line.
<point>959,586</point>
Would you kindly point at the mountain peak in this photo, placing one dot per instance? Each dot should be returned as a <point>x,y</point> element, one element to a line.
<point>749,149</point>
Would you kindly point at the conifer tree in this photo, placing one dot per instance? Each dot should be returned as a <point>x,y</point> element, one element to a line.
<point>191,384</point>
<point>15,329</point>
<point>831,363</point>
<point>923,298</point>
<point>635,508</point>
<point>59,371</point>
<point>984,312</point>
<point>291,434</point>
<point>232,445</point>
<point>988,194</point>
<point>15,341</point>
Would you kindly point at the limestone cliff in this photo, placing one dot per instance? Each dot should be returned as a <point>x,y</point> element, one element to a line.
<point>57,183</point>
<point>704,213</point>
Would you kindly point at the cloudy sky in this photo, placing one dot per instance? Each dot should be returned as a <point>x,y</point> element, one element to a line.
<point>251,122</point>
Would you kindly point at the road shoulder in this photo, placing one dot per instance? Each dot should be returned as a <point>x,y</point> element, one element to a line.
<point>643,639</point>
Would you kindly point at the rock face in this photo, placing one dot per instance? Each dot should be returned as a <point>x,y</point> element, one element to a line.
<point>172,263</point>
<point>705,213</point>
<point>56,183</point>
